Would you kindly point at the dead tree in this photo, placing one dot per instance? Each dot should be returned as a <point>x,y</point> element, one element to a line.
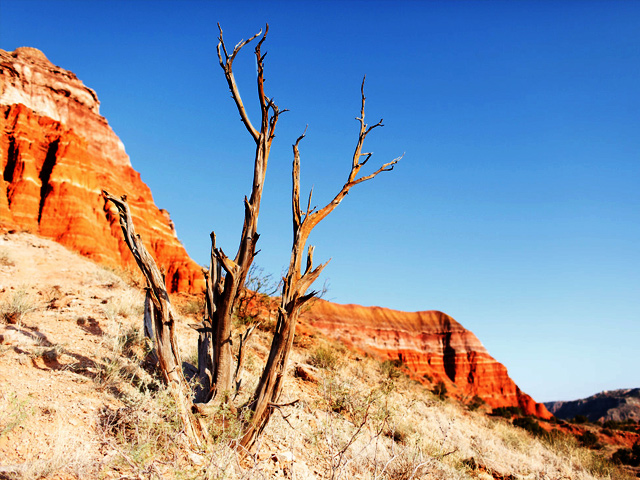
<point>160,318</point>
<point>216,373</point>
<point>297,282</point>
<point>215,354</point>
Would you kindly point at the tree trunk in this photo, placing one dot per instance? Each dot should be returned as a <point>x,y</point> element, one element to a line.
<point>161,313</point>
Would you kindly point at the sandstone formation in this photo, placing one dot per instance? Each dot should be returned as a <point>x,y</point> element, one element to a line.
<point>57,154</point>
<point>432,345</point>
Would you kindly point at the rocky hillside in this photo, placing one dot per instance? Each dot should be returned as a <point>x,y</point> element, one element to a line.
<point>76,404</point>
<point>615,405</point>
<point>433,347</point>
<point>57,154</point>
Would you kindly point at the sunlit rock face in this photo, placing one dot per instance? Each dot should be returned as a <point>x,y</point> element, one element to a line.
<point>432,345</point>
<point>57,154</point>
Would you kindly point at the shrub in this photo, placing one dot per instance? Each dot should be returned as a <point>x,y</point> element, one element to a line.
<point>194,307</point>
<point>589,440</point>
<point>628,456</point>
<point>530,425</point>
<point>129,303</point>
<point>475,403</point>
<point>6,259</point>
<point>391,368</point>
<point>580,419</point>
<point>507,412</point>
<point>324,357</point>
<point>440,390</point>
<point>16,307</point>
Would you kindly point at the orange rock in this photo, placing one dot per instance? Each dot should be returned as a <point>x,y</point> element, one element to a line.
<point>432,345</point>
<point>57,154</point>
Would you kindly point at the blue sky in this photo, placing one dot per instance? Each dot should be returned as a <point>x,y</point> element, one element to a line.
<point>516,208</point>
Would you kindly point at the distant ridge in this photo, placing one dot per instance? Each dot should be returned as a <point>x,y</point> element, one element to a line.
<point>617,405</point>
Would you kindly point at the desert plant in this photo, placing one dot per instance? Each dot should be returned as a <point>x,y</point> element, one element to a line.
<point>391,369</point>
<point>13,309</point>
<point>13,412</point>
<point>530,425</point>
<point>475,403</point>
<point>440,390</point>
<point>193,306</point>
<point>6,259</point>
<point>127,303</point>
<point>580,419</point>
<point>507,412</point>
<point>589,440</point>
<point>628,456</point>
<point>324,357</point>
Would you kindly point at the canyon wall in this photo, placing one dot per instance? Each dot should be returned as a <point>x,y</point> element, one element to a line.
<point>57,154</point>
<point>432,346</point>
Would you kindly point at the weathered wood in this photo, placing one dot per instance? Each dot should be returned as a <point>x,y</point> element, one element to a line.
<point>161,312</point>
<point>297,282</point>
<point>217,375</point>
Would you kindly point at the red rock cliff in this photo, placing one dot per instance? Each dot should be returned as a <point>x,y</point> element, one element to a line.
<point>432,345</point>
<point>57,154</point>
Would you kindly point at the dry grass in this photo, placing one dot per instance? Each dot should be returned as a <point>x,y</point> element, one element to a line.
<point>16,306</point>
<point>362,420</point>
<point>6,259</point>
<point>126,303</point>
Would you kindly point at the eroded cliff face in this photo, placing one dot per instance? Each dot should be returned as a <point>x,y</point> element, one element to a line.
<point>57,154</point>
<point>432,345</point>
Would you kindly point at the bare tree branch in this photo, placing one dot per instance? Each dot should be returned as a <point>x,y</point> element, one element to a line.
<point>226,65</point>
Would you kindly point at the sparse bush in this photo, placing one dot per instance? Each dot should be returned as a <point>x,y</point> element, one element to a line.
<point>507,412</point>
<point>324,357</point>
<point>391,369</point>
<point>12,413</point>
<point>194,306</point>
<point>13,309</point>
<point>530,425</point>
<point>580,419</point>
<point>589,440</point>
<point>628,456</point>
<point>128,303</point>
<point>145,429</point>
<point>475,403</point>
<point>6,259</point>
<point>626,426</point>
<point>440,390</point>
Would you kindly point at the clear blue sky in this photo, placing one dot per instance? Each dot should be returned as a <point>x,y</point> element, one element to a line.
<point>516,208</point>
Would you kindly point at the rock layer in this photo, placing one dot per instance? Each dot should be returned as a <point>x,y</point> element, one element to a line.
<point>433,347</point>
<point>57,154</point>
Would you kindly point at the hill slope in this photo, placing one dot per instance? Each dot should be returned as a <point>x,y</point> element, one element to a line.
<point>74,402</point>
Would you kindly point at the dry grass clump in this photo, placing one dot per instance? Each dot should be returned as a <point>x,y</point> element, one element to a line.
<point>71,456</point>
<point>126,303</point>
<point>16,306</point>
<point>324,357</point>
<point>6,259</point>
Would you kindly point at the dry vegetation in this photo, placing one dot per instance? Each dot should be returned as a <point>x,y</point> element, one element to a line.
<point>79,399</point>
